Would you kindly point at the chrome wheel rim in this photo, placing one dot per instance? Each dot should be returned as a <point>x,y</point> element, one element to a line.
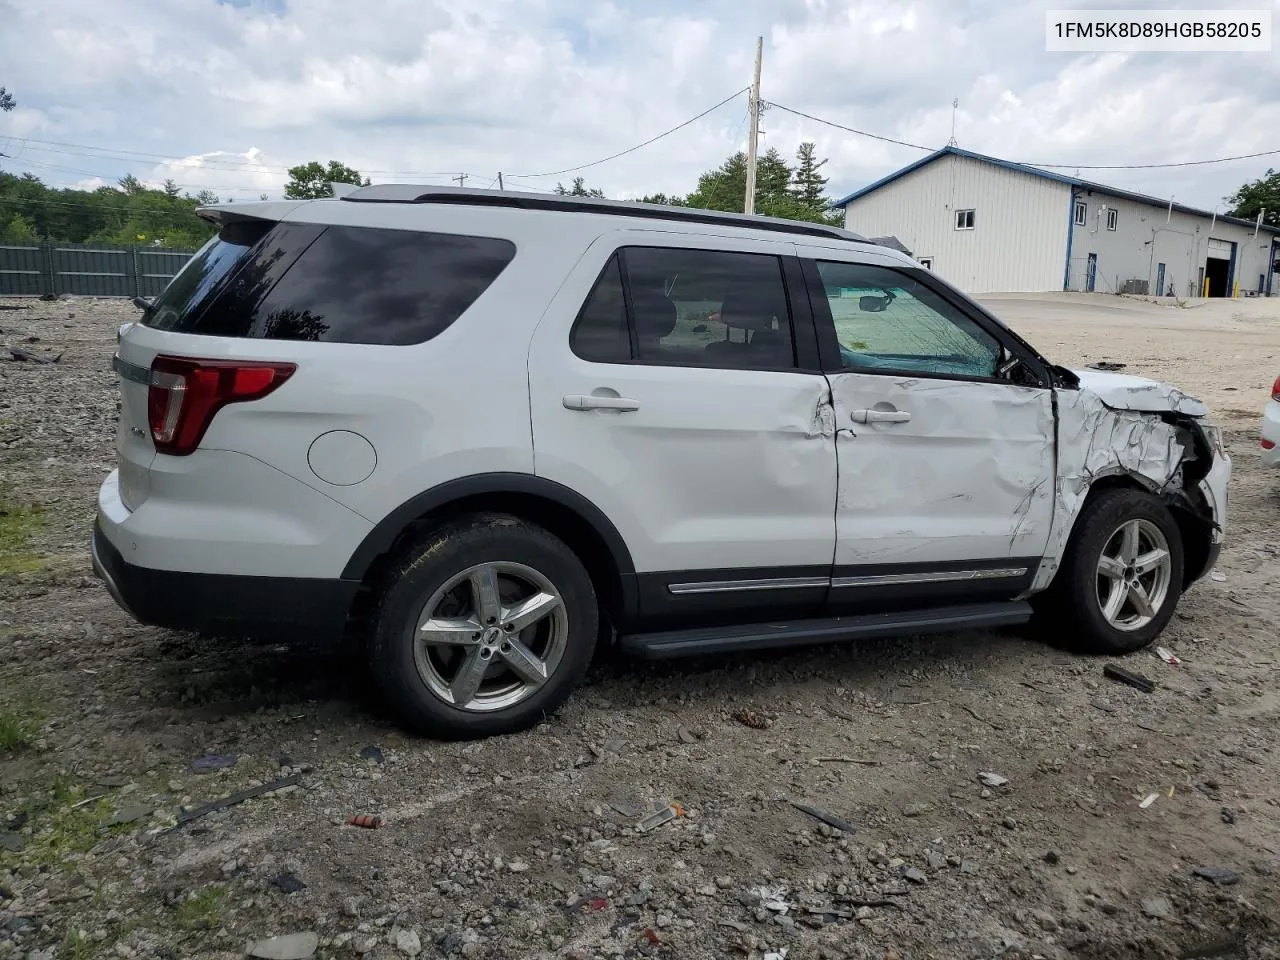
<point>1135,570</point>
<point>491,637</point>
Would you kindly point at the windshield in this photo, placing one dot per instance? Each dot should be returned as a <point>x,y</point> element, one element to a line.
<point>180,302</point>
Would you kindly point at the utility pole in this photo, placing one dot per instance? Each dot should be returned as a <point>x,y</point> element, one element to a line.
<point>749,202</point>
<point>461,178</point>
<point>500,186</point>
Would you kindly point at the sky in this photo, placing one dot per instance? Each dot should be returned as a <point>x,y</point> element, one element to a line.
<point>227,94</point>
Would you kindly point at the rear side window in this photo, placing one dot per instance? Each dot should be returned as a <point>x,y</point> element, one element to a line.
<point>181,303</point>
<point>360,285</point>
<point>294,281</point>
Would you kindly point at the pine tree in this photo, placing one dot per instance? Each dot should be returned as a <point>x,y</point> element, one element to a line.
<point>808,184</point>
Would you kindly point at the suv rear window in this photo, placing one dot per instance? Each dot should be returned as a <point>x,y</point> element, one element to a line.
<point>186,295</point>
<point>351,285</point>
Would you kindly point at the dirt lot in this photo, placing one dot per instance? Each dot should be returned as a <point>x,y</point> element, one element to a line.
<point>525,846</point>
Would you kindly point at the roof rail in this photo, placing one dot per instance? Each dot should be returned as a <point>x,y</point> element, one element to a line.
<point>417,193</point>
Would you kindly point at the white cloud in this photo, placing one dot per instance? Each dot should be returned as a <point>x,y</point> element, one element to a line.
<point>226,96</point>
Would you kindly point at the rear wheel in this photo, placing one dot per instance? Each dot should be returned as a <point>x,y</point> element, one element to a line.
<point>1121,576</point>
<point>484,627</point>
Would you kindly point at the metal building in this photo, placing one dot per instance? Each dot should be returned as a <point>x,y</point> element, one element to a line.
<point>988,225</point>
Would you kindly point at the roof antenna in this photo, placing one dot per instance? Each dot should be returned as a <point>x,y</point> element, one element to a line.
<point>955,105</point>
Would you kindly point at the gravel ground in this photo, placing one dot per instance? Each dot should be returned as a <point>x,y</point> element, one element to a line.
<point>527,846</point>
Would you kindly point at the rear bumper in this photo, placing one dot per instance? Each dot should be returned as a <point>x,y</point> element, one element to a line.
<point>223,603</point>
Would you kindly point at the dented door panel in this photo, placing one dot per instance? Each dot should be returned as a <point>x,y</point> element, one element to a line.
<point>968,477</point>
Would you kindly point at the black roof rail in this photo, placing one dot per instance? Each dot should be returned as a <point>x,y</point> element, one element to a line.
<point>417,193</point>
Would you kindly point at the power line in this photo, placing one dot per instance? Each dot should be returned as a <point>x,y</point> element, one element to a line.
<point>840,126</point>
<point>1027,163</point>
<point>622,153</point>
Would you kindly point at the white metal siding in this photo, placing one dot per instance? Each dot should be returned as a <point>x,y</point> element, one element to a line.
<point>1019,239</point>
<point>1147,235</point>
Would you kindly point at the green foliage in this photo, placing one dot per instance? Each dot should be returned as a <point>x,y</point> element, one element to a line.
<point>201,911</point>
<point>808,183</point>
<point>579,189</point>
<point>17,525</point>
<point>1263,193</point>
<point>778,193</point>
<point>309,181</point>
<point>129,214</point>
<point>7,102</point>
<point>19,724</point>
<point>663,200</point>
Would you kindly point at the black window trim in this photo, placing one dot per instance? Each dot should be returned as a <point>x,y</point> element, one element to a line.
<point>828,344</point>
<point>805,348</point>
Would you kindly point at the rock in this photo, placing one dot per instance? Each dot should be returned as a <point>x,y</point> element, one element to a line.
<point>288,882</point>
<point>1046,921</point>
<point>992,780</point>
<point>915,809</point>
<point>408,942</point>
<point>472,948</point>
<point>914,874</point>
<point>685,735</point>
<point>935,860</point>
<point>1228,816</point>
<point>1009,823</point>
<point>130,813</point>
<point>351,907</point>
<point>1219,876</point>
<point>48,953</point>
<point>1158,908</point>
<point>724,883</point>
<point>518,866</point>
<point>1052,858</point>
<point>291,946</point>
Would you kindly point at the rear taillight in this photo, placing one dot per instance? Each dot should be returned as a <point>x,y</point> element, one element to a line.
<point>185,394</point>
<point>1268,444</point>
<point>1275,389</point>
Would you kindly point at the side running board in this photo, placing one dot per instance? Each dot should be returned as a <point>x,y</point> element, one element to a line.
<point>796,633</point>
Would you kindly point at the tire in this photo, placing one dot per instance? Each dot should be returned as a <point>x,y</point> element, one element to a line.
<point>428,684</point>
<point>1075,604</point>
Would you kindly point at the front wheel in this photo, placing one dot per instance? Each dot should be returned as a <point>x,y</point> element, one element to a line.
<point>484,627</point>
<point>1121,576</point>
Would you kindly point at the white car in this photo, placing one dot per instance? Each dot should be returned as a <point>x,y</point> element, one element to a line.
<point>491,428</point>
<point>1271,427</point>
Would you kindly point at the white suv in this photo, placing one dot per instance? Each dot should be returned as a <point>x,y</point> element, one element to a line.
<point>493,427</point>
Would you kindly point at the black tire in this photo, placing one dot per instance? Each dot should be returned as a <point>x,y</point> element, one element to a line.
<point>1071,608</point>
<point>428,565</point>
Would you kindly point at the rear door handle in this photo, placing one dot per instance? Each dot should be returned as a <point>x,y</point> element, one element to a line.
<point>880,416</point>
<point>579,401</point>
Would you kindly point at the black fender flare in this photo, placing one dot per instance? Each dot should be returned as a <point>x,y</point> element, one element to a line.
<point>383,536</point>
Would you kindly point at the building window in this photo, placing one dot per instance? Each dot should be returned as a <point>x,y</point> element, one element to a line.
<point>964,219</point>
<point>1082,212</point>
<point>1112,217</point>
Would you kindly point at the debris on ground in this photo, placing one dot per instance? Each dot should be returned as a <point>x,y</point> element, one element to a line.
<point>1157,908</point>
<point>371,753</point>
<point>1148,800</point>
<point>1167,655</point>
<point>750,718</point>
<point>1107,365</point>
<point>236,798</point>
<point>365,821</point>
<point>773,899</point>
<point>1218,576</point>
<point>657,819</point>
<point>993,780</point>
<point>829,819</point>
<point>130,813</point>
<point>288,882</point>
<point>1121,675</point>
<point>26,356</point>
<point>291,946</point>
<point>685,735</point>
<point>1218,876</point>
<point>854,760</point>
<point>212,762</point>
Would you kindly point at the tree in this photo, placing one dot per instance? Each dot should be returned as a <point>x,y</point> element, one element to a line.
<point>309,181</point>
<point>808,184</point>
<point>130,184</point>
<point>1263,193</point>
<point>579,189</point>
<point>663,199</point>
<point>7,102</point>
<point>172,190</point>
<point>19,230</point>
<point>206,198</point>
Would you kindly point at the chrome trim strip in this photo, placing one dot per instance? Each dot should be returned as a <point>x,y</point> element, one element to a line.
<point>730,586</point>
<point>943,576</point>
<point>131,371</point>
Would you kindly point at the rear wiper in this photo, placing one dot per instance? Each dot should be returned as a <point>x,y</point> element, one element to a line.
<point>143,303</point>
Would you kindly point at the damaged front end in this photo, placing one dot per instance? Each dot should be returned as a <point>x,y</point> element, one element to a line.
<point>1126,431</point>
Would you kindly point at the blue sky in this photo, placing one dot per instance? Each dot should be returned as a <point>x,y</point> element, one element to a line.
<point>226,94</point>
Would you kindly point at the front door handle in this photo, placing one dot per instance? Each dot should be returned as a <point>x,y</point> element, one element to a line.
<point>880,416</point>
<point>579,401</point>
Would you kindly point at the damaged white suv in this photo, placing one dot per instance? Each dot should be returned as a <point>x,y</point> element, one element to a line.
<point>493,429</point>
